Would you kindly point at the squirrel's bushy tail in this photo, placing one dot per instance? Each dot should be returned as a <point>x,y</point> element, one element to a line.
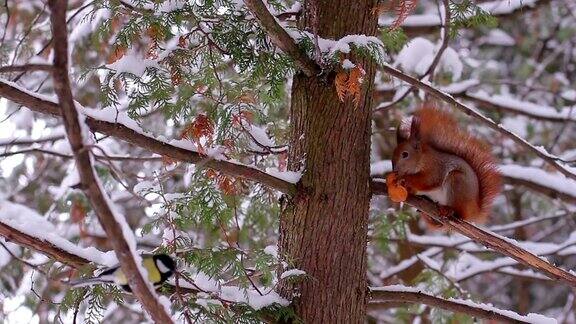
<point>438,128</point>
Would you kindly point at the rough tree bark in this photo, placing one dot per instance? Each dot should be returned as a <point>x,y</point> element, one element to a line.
<point>323,229</point>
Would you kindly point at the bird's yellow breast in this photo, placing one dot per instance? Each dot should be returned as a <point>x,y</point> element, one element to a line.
<point>148,263</point>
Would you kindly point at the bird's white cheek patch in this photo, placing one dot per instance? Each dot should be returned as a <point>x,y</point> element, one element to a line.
<point>162,267</point>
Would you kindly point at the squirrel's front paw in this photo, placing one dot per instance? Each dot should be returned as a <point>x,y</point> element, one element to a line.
<point>445,211</point>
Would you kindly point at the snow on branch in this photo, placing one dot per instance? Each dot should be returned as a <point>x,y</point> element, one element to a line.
<point>24,226</point>
<point>429,22</point>
<point>399,293</point>
<point>551,159</point>
<point>510,104</point>
<point>127,130</point>
<point>554,185</point>
<point>280,37</point>
<point>115,226</point>
<point>493,241</point>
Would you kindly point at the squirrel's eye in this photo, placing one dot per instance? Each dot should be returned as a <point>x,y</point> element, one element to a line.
<point>404,154</point>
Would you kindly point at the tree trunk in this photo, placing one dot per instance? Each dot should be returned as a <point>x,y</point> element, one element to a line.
<point>323,232</point>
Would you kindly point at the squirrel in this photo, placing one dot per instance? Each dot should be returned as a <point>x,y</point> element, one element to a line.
<point>436,159</point>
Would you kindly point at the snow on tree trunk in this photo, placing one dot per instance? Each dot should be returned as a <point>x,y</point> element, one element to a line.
<point>323,229</point>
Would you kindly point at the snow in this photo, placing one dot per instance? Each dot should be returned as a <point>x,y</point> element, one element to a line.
<point>343,45</point>
<point>252,297</point>
<point>499,7</point>
<point>288,176</point>
<point>569,95</point>
<point>407,263</point>
<point>530,318</point>
<point>31,223</point>
<point>164,7</point>
<point>259,134</point>
<point>86,26</point>
<point>422,20</point>
<point>234,294</point>
<point>418,54</point>
<point>555,181</point>
<point>131,63</point>
<point>380,168</point>
<point>510,103</point>
<point>52,98</point>
<point>499,37</point>
<point>460,87</point>
<point>347,64</point>
<point>292,273</point>
<point>271,250</point>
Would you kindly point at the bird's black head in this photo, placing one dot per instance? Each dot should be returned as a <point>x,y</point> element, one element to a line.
<point>165,264</point>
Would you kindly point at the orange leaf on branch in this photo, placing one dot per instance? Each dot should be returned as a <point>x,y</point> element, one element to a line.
<point>241,117</point>
<point>349,84</point>
<point>341,82</point>
<point>402,8</point>
<point>201,128</point>
<point>117,53</point>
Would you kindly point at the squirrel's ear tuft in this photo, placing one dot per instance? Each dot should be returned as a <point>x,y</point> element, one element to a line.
<point>403,130</point>
<point>415,128</point>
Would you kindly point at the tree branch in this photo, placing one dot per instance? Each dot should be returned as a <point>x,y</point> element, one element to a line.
<point>25,68</point>
<point>13,235</point>
<point>381,296</point>
<point>490,240</point>
<point>280,37</point>
<point>445,40</point>
<point>112,226</point>
<point>537,112</point>
<point>547,157</point>
<point>120,131</point>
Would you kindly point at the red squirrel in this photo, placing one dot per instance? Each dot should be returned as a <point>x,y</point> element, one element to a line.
<point>436,159</point>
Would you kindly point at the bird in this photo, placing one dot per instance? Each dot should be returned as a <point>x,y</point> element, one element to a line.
<point>160,267</point>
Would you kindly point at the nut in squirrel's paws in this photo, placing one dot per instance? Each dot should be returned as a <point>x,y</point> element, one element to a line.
<point>396,191</point>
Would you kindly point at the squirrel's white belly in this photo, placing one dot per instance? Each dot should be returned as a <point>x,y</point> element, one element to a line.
<point>439,195</point>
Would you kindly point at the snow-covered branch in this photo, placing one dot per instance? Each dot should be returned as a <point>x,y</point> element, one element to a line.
<point>134,135</point>
<point>25,227</point>
<point>509,104</point>
<point>398,293</point>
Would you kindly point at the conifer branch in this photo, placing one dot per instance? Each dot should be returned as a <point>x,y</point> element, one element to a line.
<point>54,252</point>
<point>117,130</point>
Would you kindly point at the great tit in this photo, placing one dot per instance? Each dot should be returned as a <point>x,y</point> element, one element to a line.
<point>160,267</point>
